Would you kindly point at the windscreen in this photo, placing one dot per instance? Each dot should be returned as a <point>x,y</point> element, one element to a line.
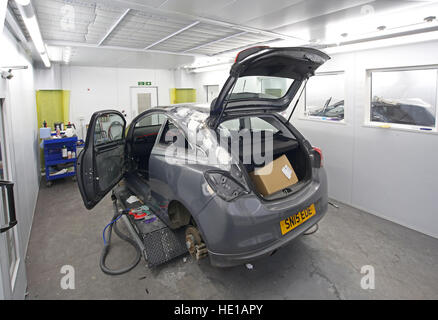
<point>260,87</point>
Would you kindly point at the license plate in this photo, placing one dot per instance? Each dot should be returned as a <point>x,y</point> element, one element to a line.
<point>294,221</point>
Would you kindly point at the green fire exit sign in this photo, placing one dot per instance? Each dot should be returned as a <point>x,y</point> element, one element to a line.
<point>144,83</point>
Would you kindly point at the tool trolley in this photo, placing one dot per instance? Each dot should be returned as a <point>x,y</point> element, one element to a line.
<point>54,160</point>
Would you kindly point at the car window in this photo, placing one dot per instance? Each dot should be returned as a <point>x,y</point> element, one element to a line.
<point>263,87</point>
<point>260,124</point>
<point>173,135</point>
<point>254,124</point>
<point>155,119</point>
<point>109,127</point>
<point>233,124</point>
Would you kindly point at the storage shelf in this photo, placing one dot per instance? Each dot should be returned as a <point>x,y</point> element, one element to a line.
<point>55,162</point>
<point>60,140</point>
<point>59,176</point>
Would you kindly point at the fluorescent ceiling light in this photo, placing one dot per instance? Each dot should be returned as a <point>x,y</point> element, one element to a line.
<point>66,54</point>
<point>367,25</point>
<point>30,21</point>
<point>46,60</point>
<point>55,53</point>
<point>414,38</point>
<point>23,2</point>
<point>35,34</point>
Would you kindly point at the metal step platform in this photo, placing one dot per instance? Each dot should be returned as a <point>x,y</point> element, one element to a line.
<point>157,241</point>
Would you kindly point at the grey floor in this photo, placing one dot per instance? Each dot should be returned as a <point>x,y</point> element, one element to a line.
<point>325,265</point>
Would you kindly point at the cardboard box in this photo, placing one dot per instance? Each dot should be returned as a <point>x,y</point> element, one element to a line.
<point>274,176</point>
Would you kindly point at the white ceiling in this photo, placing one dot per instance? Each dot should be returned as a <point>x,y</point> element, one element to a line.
<point>84,56</point>
<point>170,33</point>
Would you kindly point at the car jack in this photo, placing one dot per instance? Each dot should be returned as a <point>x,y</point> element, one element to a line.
<point>201,251</point>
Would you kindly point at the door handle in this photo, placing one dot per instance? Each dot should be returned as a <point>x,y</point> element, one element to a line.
<point>11,205</point>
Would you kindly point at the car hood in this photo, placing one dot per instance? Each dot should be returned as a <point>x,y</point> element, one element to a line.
<point>400,101</point>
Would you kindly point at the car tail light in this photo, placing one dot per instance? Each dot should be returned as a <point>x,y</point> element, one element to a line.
<point>224,184</point>
<point>317,156</point>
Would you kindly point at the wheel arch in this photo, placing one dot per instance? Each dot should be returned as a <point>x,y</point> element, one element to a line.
<point>179,215</point>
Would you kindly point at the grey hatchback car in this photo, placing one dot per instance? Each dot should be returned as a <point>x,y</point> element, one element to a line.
<point>192,164</point>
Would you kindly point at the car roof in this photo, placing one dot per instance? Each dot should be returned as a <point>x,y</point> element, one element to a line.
<point>186,106</point>
<point>401,102</point>
<point>186,114</point>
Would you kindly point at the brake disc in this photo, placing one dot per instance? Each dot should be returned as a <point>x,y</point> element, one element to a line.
<point>194,243</point>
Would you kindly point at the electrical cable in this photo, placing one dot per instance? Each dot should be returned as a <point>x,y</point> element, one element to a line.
<point>107,245</point>
<point>104,229</point>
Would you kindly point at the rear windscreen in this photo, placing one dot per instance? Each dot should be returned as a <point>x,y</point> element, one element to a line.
<point>260,87</point>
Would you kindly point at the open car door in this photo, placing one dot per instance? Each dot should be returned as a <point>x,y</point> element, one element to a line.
<point>265,79</point>
<point>100,165</point>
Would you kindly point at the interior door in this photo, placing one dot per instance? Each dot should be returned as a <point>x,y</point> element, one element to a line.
<point>142,99</point>
<point>13,279</point>
<point>212,92</point>
<point>100,165</point>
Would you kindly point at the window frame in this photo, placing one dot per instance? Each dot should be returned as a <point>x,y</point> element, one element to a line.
<point>304,116</point>
<point>398,126</point>
<point>102,141</point>
<point>150,114</point>
<point>163,126</point>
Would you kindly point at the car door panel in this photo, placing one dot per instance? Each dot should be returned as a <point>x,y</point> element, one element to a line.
<point>100,165</point>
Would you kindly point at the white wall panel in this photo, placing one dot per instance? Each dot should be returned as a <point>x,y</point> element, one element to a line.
<point>98,88</point>
<point>395,171</point>
<point>387,172</point>
<point>48,79</point>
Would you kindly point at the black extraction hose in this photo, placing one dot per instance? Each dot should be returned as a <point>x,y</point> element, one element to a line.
<point>107,246</point>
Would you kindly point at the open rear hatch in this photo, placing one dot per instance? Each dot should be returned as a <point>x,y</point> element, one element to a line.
<point>263,81</point>
<point>264,78</point>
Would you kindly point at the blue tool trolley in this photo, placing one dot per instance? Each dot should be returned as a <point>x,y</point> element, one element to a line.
<point>53,157</point>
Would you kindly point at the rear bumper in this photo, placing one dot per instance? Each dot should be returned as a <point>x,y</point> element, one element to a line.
<point>229,260</point>
<point>246,229</point>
